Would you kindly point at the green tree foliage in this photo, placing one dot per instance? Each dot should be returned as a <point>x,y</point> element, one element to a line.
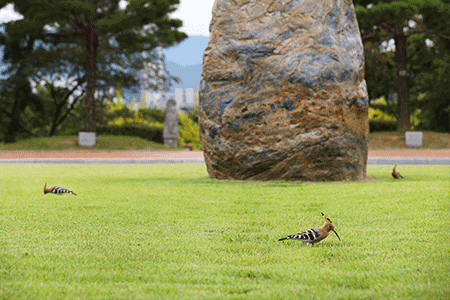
<point>17,103</point>
<point>430,82</point>
<point>57,104</point>
<point>103,27</point>
<point>188,132</point>
<point>383,20</point>
<point>16,93</point>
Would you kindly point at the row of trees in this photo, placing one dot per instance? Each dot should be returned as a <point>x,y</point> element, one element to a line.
<point>91,45</point>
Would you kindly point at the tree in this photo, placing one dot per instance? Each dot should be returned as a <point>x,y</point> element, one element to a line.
<point>141,26</point>
<point>380,77</point>
<point>16,93</point>
<point>430,66</point>
<point>60,107</point>
<point>16,99</point>
<point>382,20</point>
<point>59,76</point>
<point>63,78</point>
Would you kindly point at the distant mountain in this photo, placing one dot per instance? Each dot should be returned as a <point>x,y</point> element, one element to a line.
<point>185,61</point>
<point>187,53</point>
<point>189,75</point>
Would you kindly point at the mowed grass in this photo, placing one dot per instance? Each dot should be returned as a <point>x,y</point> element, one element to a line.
<point>70,142</point>
<point>170,232</point>
<point>377,141</point>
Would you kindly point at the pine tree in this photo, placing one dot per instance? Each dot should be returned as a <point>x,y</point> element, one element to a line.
<point>139,27</point>
<point>16,93</point>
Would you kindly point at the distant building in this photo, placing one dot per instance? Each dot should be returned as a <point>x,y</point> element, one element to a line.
<point>186,99</point>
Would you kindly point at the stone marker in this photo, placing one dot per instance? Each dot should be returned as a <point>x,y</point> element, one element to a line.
<point>170,132</point>
<point>86,138</point>
<point>283,95</point>
<point>413,138</point>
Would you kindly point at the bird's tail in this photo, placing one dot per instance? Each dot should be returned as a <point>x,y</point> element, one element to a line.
<point>68,192</point>
<point>60,190</point>
<point>282,239</point>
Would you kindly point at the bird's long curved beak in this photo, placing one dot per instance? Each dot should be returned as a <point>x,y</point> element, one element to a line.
<point>337,235</point>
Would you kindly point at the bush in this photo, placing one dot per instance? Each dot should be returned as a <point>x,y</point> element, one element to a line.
<point>382,125</point>
<point>152,114</point>
<point>380,120</point>
<point>188,132</point>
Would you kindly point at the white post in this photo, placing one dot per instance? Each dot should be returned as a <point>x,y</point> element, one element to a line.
<point>413,138</point>
<point>86,138</point>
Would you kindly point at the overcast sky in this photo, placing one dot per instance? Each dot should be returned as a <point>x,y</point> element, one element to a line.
<point>195,14</point>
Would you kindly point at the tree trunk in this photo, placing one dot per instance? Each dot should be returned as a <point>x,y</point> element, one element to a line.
<point>10,135</point>
<point>403,118</point>
<point>91,44</point>
<point>19,98</point>
<point>55,120</point>
<point>58,109</point>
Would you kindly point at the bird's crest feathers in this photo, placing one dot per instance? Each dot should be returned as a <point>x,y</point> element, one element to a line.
<point>326,219</point>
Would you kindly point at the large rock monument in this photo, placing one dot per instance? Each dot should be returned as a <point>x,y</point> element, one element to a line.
<point>283,95</point>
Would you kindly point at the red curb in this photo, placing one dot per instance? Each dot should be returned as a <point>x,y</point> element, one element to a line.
<point>410,153</point>
<point>102,154</point>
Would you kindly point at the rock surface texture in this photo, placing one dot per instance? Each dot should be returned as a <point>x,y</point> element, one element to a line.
<point>283,95</point>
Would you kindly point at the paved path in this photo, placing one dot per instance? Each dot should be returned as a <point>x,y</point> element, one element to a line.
<point>409,157</point>
<point>376,157</point>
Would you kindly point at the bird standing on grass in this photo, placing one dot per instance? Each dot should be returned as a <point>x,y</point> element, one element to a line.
<point>314,235</point>
<point>57,190</point>
<point>396,174</point>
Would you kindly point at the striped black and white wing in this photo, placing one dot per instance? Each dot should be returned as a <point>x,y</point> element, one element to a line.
<point>308,236</point>
<point>60,190</point>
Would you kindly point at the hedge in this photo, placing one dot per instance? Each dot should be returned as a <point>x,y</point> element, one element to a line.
<point>378,125</point>
<point>154,134</point>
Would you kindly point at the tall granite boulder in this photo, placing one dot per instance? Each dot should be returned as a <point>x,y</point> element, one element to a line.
<point>283,95</point>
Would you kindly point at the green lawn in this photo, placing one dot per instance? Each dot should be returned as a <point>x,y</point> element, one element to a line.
<point>170,232</point>
<point>70,142</point>
<point>377,140</point>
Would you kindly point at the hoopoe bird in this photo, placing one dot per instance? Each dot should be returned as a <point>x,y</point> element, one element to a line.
<point>314,235</point>
<point>57,190</point>
<point>396,174</point>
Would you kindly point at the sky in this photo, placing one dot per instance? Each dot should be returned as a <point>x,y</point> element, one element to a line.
<point>196,17</point>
